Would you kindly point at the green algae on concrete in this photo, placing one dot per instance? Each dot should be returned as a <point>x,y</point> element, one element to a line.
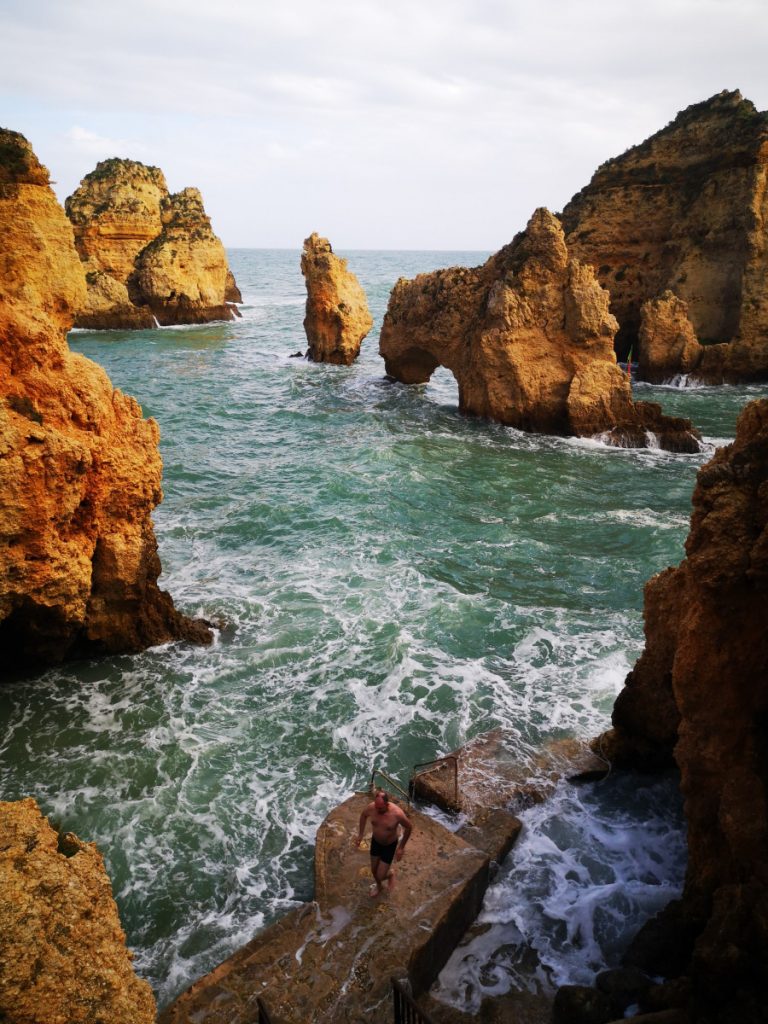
<point>332,960</point>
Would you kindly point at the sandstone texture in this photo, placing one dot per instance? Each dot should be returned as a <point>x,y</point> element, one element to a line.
<point>80,470</point>
<point>150,257</point>
<point>337,317</point>
<point>63,958</point>
<point>686,211</point>
<point>330,962</point>
<point>698,696</point>
<point>529,338</point>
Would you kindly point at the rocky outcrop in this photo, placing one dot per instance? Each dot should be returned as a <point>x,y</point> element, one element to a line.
<point>529,338</point>
<point>150,257</point>
<point>80,470</point>
<point>699,696</point>
<point>337,317</point>
<point>62,950</point>
<point>686,211</point>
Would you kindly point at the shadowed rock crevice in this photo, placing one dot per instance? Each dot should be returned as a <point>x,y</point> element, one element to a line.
<point>529,338</point>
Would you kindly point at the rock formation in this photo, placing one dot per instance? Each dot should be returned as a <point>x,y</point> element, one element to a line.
<point>64,957</point>
<point>529,338</point>
<point>80,469</point>
<point>699,695</point>
<point>149,256</point>
<point>686,210</point>
<point>337,317</point>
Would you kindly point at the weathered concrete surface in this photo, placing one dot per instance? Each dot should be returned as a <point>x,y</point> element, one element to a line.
<point>491,775</point>
<point>331,961</point>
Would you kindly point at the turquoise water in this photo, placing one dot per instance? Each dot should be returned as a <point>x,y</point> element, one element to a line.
<point>390,579</point>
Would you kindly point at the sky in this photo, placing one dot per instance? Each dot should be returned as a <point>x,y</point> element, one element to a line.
<point>396,124</point>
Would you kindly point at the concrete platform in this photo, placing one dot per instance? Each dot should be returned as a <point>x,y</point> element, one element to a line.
<point>491,774</point>
<point>331,960</point>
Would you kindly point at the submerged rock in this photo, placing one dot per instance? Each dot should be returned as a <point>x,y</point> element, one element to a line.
<point>338,318</point>
<point>150,257</point>
<point>64,956</point>
<point>699,695</point>
<point>529,338</point>
<point>686,211</point>
<point>80,470</point>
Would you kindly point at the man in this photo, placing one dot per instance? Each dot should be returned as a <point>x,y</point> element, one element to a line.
<point>385,817</point>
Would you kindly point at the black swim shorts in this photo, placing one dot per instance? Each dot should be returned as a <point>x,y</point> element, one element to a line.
<point>387,853</point>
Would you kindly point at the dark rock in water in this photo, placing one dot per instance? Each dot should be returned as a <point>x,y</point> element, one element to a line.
<point>664,944</point>
<point>623,986</point>
<point>298,355</point>
<point>581,1004</point>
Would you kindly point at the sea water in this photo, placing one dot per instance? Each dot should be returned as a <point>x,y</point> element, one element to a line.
<point>388,578</point>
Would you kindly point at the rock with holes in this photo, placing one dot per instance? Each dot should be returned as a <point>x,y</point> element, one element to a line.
<point>529,337</point>
<point>63,956</point>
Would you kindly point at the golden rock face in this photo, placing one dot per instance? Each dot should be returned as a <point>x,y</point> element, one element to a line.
<point>149,256</point>
<point>686,211</point>
<point>338,318</point>
<point>529,338</point>
<point>64,958</point>
<point>80,470</point>
<point>699,696</point>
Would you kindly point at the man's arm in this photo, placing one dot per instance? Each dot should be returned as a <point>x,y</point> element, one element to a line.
<point>407,829</point>
<point>361,827</point>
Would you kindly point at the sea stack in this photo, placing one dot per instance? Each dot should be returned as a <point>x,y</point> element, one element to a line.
<point>150,257</point>
<point>698,697</point>
<point>337,317</point>
<point>686,211</point>
<point>529,338</point>
<point>64,955</point>
<point>80,470</point>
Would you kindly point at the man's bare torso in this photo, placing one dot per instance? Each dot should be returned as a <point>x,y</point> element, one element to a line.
<point>384,823</point>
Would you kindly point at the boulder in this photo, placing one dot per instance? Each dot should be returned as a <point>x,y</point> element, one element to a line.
<point>337,317</point>
<point>80,470</point>
<point>150,257</point>
<point>685,211</point>
<point>529,338</point>
<point>64,957</point>
<point>699,694</point>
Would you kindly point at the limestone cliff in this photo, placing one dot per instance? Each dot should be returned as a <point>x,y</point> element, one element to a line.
<point>80,470</point>
<point>62,951</point>
<point>337,317</point>
<point>149,256</point>
<point>699,694</point>
<point>529,338</point>
<point>687,210</point>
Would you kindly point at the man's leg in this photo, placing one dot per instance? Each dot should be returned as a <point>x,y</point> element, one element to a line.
<point>376,864</point>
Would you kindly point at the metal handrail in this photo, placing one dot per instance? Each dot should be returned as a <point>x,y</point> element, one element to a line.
<point>391,784</point>
<point>405,1009</point>
<point>431,766</point>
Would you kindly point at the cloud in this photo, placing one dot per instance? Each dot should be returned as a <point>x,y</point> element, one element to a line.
<point>442,122</point>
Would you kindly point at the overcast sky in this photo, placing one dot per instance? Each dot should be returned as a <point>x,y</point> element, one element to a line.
<point>391,124</point>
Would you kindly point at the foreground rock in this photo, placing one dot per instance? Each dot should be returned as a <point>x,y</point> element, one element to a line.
<point>699,696</point>
<point>331,961</point>
<point>686,211</point>
<point>150,257</point>
<point>64,957</point>
<point>337,317</point>
<point>529,338</point>
<point>80,470</point>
